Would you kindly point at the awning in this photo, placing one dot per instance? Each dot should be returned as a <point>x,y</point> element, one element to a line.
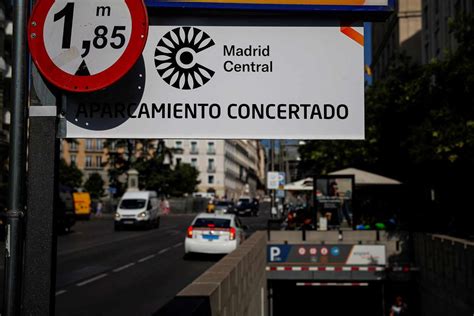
<point>301,185</point>
<point>362,178</point>
<point>366,178</point>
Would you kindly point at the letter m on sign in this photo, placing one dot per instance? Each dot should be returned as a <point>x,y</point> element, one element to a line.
<point>103,11</point>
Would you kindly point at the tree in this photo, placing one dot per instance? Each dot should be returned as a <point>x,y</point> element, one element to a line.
<point>419,129</point>
<point>126,154</point>
<point>184,180</point>
<point>152,159</point>
<point>69,175</point>
<point>95,185</point>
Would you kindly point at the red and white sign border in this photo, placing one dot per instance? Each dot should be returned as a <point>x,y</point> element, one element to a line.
<point>98,81</point>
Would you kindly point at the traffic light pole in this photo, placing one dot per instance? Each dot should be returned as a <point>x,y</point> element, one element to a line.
<point>272,168</point>
<point>17,160</point>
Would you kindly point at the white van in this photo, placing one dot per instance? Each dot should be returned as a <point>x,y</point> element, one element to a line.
<point>138,209</point>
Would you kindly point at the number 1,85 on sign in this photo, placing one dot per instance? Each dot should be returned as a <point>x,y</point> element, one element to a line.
<point>87,38</point>
<point>100,40</point>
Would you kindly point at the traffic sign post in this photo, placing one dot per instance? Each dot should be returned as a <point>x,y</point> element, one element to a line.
<point>79,46</point>
<point>87,45</point>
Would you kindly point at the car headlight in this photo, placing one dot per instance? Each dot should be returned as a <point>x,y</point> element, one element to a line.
<point>117,215</point>
<point>143,214</point>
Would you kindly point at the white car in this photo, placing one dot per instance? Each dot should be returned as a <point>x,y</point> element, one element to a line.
<point>214,234</point>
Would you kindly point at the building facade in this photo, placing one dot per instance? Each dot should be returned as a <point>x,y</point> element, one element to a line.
<point>418,28</point>
<point>400,33</point>
<point>228,168</point>
<point>89,155</point>
<point>438,40</point>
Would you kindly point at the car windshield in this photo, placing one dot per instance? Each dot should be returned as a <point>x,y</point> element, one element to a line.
<point>223,203</point>
<point>244,201</point>
<point>212,223</point>
<point>133,204</point>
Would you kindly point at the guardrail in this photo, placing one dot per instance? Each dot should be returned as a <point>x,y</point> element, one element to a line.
<point>446,278</point>
<point>236,285</point>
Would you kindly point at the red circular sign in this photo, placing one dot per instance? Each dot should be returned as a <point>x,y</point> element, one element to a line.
<point>86,45</point>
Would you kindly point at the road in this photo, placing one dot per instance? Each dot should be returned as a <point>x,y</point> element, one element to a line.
<point>102,272</point>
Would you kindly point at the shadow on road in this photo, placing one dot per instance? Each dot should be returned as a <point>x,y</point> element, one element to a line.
<point>203,257</point>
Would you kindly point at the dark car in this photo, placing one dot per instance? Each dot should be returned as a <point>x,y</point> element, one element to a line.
<point>224,207</point>
<point>65,217</point>
<point>247,206</point>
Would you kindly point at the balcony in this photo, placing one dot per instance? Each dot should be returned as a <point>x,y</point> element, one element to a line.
<point>73,148</point>
<point>95,149</point>
<point>211,169</point>
<point>194,151</point>
<point>211,151</point>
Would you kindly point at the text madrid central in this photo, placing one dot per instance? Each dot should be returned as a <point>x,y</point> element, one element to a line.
<point>234,111</point>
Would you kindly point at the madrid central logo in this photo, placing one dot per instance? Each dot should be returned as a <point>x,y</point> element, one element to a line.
<point>176,58</point>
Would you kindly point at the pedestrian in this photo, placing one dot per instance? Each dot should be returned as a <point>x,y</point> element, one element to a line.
<point>98,209</point>
<point>399,308</point>
<point>164,206</point>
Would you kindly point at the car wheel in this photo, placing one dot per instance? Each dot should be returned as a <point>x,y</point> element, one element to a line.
<point>158,220</point>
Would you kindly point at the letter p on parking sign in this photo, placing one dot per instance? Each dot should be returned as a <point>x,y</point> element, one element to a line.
<point>278,253</point>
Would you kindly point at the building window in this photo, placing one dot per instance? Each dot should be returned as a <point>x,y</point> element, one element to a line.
<point>211,166</point>
<point>211,148</point>
<point>89,145</point>
<point>194,162</point>
<point>99,144</point>
<point>179,145</point>
<point>98,161</point>
<point>73,145</point>
<point>210,179</point>
<point>88,161</point>
<point>436,42</point>
<point>178,161</point>
<point>194,148</point>
<point>73,159</point>
<point>426,17</point>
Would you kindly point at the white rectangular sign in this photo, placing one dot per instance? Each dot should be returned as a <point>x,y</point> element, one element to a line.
<point>275,180</point>
<point>367,255</point>
<point>234,82</point>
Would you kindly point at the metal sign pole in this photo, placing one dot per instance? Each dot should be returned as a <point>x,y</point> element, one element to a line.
<point>39,270</point>
<point>17,160</point>
<point>272,168</point>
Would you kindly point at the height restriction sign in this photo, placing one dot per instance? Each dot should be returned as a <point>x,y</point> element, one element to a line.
<point>87,45</point>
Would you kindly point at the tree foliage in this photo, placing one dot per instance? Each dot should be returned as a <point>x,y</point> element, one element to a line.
<point>419,126</point>
<point>95,185</point>
<point>152,159</point>
<point>70,175</point>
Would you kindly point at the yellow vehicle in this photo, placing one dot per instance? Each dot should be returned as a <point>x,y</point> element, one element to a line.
<point>82,204</point>
<point>211,206</point>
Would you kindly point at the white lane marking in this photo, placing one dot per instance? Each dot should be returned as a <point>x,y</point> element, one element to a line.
<point>100,276</point>
<point>124,267</point>
<point>60,292</point>
<point>146,258</point>
<point>162,251</point>
<point>178,245</point>
<point>127,237</point>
